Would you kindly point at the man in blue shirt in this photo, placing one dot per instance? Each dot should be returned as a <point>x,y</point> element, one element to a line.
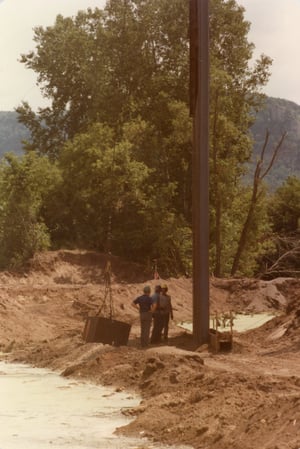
<point>145,305</point>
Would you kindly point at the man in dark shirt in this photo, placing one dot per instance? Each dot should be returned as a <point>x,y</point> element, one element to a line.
<point>145,305</point>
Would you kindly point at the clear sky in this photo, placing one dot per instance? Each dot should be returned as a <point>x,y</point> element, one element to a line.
<point>275,31</point>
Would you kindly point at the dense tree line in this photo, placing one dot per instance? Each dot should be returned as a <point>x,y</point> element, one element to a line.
<point>108,164</point>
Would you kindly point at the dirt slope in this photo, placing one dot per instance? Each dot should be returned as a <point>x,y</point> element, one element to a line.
<point>244,399</point>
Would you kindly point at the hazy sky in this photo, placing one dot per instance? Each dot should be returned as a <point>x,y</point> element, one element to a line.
<point>275,31</point>
<point>17,20</point>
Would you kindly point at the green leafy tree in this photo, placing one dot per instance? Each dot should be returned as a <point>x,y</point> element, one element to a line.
<point>107,66</point>
<point>25,182</point>
<point>101,182</point>
<point>127,67</point>
<point>283,255</point>
<point>284,207</point>
<point>69,61</point>
<point>111,204</point>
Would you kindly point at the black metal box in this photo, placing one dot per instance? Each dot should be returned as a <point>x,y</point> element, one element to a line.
<point>106,330</point>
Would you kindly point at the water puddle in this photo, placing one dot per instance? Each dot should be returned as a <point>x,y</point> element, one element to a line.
<point>244,322</point>
<point>241,322</point>
<point>40,410</point>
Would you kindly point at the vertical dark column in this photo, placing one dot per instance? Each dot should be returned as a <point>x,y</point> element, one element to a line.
<point>199,104</point>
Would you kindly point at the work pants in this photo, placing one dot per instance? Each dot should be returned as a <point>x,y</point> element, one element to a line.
<point>157,327</point>
<point>165,325</point>
<point>146,319</point>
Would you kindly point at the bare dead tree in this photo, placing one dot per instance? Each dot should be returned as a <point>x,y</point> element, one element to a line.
<point>288,259</point>
<point>258,177</point>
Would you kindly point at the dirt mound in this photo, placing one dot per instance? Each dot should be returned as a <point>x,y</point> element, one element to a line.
<point>251,295</point>
<point>281,334</point>
<point>83,267</point>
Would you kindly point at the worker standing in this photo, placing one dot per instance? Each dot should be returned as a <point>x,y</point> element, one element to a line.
<point>157,317</point>
<point>144,304</point>
<point>166,310</point>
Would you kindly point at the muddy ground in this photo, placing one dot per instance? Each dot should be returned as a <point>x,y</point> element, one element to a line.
<point>245,398</point>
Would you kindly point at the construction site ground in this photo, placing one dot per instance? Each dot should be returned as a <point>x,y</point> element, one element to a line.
<point>244,398</point>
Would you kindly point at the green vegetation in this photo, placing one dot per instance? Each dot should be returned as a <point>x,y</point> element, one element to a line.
<point>283,257</point>
<point>108,165</point>
<point>26,184</point>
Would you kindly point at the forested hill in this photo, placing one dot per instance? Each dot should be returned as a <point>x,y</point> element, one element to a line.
<point>278,116</point>
<point>11,133</point>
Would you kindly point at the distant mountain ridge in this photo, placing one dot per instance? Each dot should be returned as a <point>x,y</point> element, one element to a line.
<point>11,133</point>
<point>278,116</point>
